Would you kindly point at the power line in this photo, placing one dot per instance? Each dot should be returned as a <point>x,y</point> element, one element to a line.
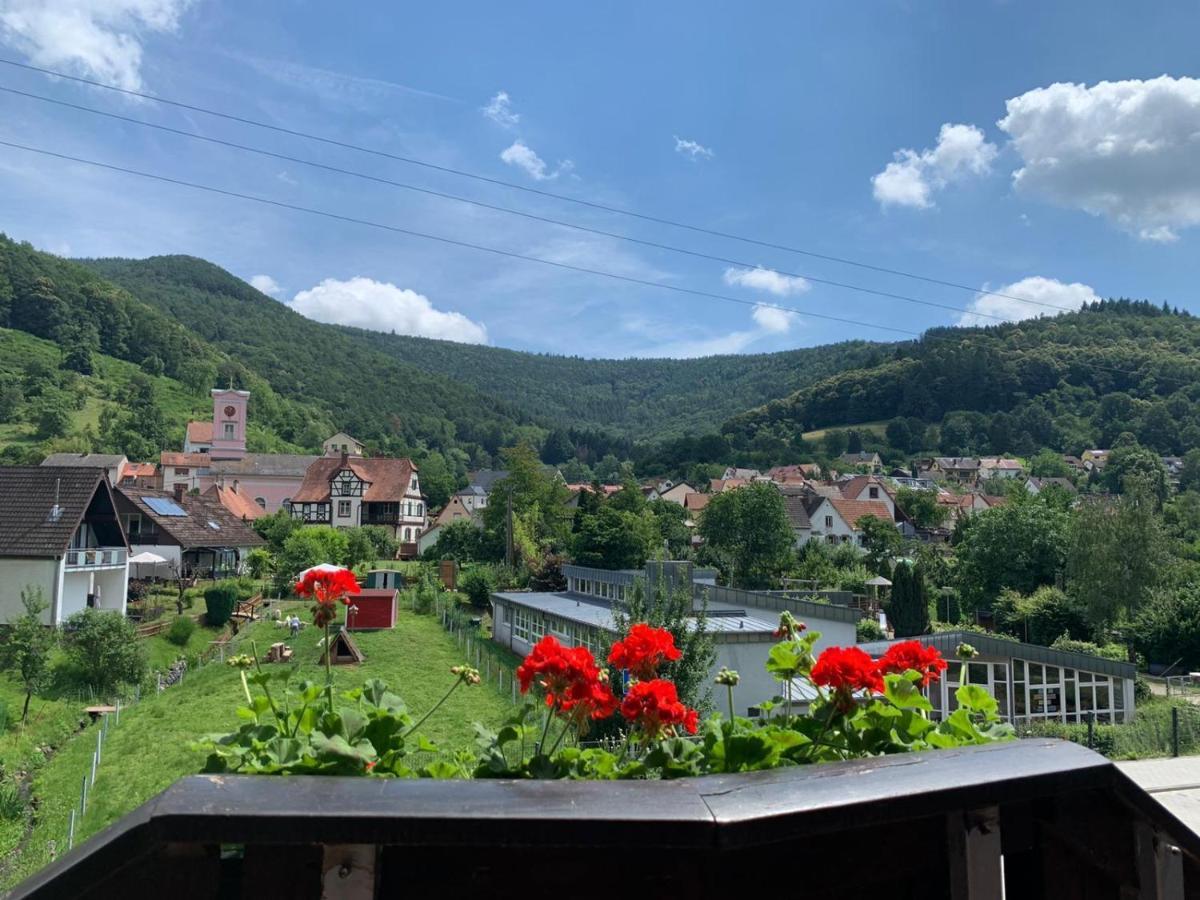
<point>659,220</point>
<point>452,241</point>
<point>523,257</point>
<point>503,209</point>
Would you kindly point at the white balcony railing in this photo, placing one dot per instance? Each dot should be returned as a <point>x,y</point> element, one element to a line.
<point>96,558</point>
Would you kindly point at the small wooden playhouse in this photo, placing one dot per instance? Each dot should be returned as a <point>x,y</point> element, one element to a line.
<point>376,609</point>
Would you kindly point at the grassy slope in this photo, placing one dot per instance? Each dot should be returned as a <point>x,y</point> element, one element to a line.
<point>148,751</point>
<point>18,350</point>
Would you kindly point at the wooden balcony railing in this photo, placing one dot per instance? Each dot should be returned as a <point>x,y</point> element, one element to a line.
<point>1033,819</point>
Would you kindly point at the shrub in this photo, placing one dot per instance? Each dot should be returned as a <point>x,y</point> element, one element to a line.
<point>869,630</point>
<point>104,649</point>
<point>12,806</point>
<point>1106,651</point>
<point>478,584</point>
<point>259,562</point>
<point>1041,617</point>
<point>181,631</point>
<point>220,599</point>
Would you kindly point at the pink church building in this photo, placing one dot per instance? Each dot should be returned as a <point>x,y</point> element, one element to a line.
<point>214,455</point>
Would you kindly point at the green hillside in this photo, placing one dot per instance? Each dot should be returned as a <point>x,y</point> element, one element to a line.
<point>1068,382</point>
<point>634,399</point>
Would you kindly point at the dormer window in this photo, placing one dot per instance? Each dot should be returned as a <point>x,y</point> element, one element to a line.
<point>413,486</point>
<point>874,493</point>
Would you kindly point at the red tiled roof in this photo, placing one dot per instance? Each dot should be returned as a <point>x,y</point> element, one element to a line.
<point>695,501</point>
<point>139,470</point>
<point>235,501</point>
<point>200,432</point>
<point>717,485</point>
<point>853,487</point>
<point>606,489</point>
<point>387,479</point>
<point>175,458</point>
<point>853,510</point>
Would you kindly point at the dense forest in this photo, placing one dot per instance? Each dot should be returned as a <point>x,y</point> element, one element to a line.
<point>1065,383</point>
<point>1069,382</point>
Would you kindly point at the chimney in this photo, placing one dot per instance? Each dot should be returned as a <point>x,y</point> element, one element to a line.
<point>345,458</point>
<point>180,487</point>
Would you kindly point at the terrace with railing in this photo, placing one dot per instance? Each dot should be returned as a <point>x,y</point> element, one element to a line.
<point>96,558</point>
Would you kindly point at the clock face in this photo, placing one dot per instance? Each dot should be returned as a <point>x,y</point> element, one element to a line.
<point>229,411</point>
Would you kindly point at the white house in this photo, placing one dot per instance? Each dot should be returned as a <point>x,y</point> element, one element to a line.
<point>836,520</point>
<point>59,531</point>
<point>348,491</point>
<point>999,467</point>
<point>341,443</point>
<point>113,464</point>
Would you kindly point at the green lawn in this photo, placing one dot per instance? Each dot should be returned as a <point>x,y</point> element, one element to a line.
<point>148,750</point>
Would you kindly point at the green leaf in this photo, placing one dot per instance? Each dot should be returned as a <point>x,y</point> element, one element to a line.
<point>902,693</point>
<point>441,769</point>
<point>975,698</point>
<point>424,743</point>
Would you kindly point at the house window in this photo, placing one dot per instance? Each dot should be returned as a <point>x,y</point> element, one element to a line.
<point>133,526</point>
<point>407,534</point>
<point>179,471</point>
<point>230,431</point>
<point>420,509</point>
<point>343,509</point>
<point>874,492</point>
<point>537,627</point>
<point>414,483</point>
<point>829,521</point>
<point>261,501</point>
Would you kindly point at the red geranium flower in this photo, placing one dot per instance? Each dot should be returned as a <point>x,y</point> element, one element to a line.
<point>846,670</point>
<point>327,587</point>
<point>644,650</point>
<point>654,708</point>
<point>569,677</point>
<point>914,655</point>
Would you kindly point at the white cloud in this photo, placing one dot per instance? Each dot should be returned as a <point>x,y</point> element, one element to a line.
<point>1049,292</point>
<point>98,38</point>
<point>380,306</point>
<point>266,284</point>
<point>912,177</point>
<point>772,319</point>
<point>770,322</point>
<point>523,157</point>
<point>760,279</point>
<point>500,111</point>
<point>691,149</point>
<point>1123,150</point>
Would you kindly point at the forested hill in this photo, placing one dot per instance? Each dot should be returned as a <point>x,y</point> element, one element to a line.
<point>631,398</point>
<point>1066,382</point>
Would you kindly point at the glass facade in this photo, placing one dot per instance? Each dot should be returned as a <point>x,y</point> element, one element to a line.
<point>530,626</point>
<point>1032,692</point>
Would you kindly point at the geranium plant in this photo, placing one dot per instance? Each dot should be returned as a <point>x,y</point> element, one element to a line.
<point>327,586</point>
<point>838,704</point>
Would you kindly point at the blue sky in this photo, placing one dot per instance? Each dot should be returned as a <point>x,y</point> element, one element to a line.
<point>1045,151</point>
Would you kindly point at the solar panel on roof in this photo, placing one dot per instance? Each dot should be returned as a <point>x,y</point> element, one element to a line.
<point>164,507</point>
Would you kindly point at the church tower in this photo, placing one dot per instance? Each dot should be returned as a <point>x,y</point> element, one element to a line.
<point>229,424</point>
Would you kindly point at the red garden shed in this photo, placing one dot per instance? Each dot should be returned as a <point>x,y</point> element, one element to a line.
<point>376,609</point>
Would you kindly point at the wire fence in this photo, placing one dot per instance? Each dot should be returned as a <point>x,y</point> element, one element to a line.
<point>1157,730</point>
<point>494,668</point>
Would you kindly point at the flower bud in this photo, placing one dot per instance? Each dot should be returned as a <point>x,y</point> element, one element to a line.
<point>789,626</point>
<point>728,677</point>
<point>965,651</point>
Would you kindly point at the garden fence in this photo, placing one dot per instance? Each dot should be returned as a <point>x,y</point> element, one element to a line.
<point>478,650</point>
<point>1157,730</point>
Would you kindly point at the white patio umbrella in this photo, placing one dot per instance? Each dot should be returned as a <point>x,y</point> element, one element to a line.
<point>320,567</point>
<point>146,558</point>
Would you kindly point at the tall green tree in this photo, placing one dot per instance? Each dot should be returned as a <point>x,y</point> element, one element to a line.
<point>1021,545</point>
<point>921,507</point>
<point>908,609</point>
<point>613,538</point>
<point>748,531</point>
<point>1117,553</point>
<point>26,648</point>
<point>1130,462</point>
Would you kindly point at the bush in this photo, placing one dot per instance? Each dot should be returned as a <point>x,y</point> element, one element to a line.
<point>181,631</point>
<point>1167,627</point>
<point>103,648</point>
<point>1042,617</point>
<point>220,600</point>
<point>478,584</point>
<point>869,630</point>
<point>1106,651</point>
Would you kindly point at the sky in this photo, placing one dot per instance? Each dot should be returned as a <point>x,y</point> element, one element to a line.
<point>1046,153</point>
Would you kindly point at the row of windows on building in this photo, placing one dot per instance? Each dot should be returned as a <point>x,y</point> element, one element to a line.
<point>1036,692</point>
<point>531,626</point>
<point>594,587</point>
